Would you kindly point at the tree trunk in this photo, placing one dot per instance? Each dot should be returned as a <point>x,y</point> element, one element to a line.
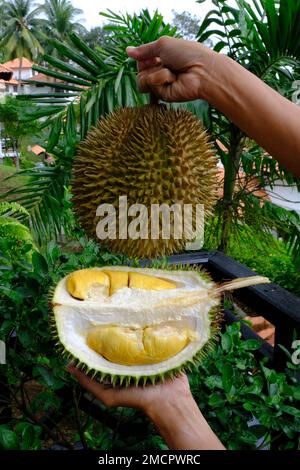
<point>20,75</point>
<point>17,161</point>
<point>231,169</point>
<point>16,152</point>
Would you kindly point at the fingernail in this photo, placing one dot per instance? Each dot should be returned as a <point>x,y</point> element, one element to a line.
<point>131,50</point>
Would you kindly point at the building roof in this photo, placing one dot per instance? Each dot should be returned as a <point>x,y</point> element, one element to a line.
<point>5,73</point>
<point>10,82</point>
<point>15,63</point>
<point>5,69</point>
<point>37,149</point>
<point>41,77</point>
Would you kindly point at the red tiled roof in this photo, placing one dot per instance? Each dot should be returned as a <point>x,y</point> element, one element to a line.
<point>11,82</point>
<point>37,149</point>
<point>15,63</point>
<point>41,77</point>
<point>5,69</point>
<point>5,73</point>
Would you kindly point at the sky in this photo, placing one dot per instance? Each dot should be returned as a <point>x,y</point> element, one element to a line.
<point>165,7</point>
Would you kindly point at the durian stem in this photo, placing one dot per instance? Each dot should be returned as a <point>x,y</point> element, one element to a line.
<point>242,282</point>
<point>197,296</point>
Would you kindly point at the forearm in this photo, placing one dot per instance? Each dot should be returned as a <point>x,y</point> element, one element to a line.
<point>263,114</point>
<point>183,426</point>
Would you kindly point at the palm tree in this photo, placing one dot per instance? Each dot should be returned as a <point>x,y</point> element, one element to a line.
<point>100,80</point>
<point>21,31</point>
<point>61,19</point>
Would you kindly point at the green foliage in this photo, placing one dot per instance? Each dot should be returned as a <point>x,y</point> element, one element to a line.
<point>231,386</point>
<point>187,24</point>
<point>262,253</point>
<point>6,171</point>
<point>258,35</point>
<point>46,196</point>
<point>61,20</point>
<point>97,37</point>
<point>22,436</point>
<point>19,37</point>
<point>100,80</point>
<point>234,391</point>
<point>12,112</point>
<point>13,234</point>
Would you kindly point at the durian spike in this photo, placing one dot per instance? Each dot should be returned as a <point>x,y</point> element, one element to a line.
<point>197,296</point>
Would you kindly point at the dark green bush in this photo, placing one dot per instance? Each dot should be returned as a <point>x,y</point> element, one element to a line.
<point>231,386</point>
<point>262,253</point>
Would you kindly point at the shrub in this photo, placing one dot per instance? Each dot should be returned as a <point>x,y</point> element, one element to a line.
<point>231,386</point>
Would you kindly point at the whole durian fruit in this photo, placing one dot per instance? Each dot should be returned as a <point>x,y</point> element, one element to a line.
<point>151,154</point>
<point>136,325</point>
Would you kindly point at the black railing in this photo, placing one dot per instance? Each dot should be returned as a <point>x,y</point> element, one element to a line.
<point>275,304</point>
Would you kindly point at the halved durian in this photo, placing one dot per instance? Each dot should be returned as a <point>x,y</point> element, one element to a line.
<point>144,325</point>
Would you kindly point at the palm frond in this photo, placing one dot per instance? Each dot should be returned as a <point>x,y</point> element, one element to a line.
<point>87,84</point>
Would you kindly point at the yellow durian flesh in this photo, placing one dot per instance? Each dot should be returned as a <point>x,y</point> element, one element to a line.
<point>138,346</point>
<point>144,281</point>
<point>92,284</point>
<point>118,280</point>
<point>88,283</point>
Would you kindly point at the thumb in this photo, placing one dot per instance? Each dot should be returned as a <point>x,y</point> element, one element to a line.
<point>146,51</point>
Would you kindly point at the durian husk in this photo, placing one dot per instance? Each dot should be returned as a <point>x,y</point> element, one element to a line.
<point>196,299</point>
<point>152,155</point>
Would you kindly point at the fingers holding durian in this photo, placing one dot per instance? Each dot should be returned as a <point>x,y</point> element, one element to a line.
<point>148,63</point>
<point>180,64</point>
<point>144,398</point>
<point>167,85</point>
<point>155,79</point>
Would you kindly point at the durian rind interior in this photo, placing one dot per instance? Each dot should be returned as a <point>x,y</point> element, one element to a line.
<point>138,311</point>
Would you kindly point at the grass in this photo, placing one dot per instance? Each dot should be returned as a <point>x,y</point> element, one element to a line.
<point>12,183</point>
<point>263,254</point>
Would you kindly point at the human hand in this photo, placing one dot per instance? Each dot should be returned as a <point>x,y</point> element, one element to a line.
<point>170,405</point>
<point>145,398</point>
<point>173,69</point>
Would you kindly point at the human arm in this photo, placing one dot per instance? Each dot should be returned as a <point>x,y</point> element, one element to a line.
<point>179,70</point>
<point>170,406</point>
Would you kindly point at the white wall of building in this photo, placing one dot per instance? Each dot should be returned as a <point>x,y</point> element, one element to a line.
<point>25,74</point>
<point>285,196</point>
